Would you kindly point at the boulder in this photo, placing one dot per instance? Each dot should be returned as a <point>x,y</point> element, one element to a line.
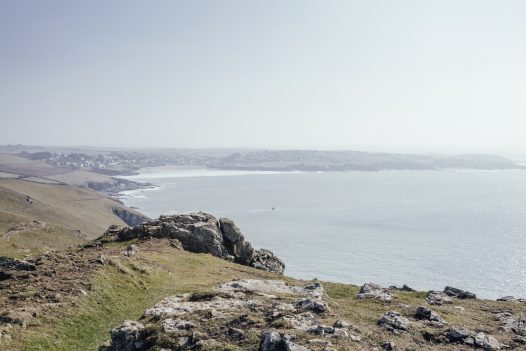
<point>128,337</point>
<point>459,293</point>
<point>374,291</point>
<point>438,298</point>
<point>11,268</point>
<point>424,313</point>
<point>394,322</point>
<point>203,233</point>
<point>271,341</point>
<point>458,334</point>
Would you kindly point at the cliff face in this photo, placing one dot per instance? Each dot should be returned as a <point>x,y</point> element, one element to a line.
<point>203,233</point>
<point>131,218</point>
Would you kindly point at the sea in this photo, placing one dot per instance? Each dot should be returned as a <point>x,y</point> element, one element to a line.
<point>426,229</point>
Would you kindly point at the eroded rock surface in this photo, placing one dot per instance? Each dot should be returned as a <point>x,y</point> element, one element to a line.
<point>374,291</point>
<point>203,233</point>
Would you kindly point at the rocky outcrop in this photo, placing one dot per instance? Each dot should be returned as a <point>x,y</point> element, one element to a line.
<point>203,233</point>
<point>374,291</point>
<point>438,298</point>
<point>459,293</point>
<point>472,339</point>
<point>225,316</point>
<point>426,314</point>
<point>11,267</point>
<point>394,322</point>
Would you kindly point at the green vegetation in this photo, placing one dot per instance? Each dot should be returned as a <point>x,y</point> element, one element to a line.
<point>121,291</point>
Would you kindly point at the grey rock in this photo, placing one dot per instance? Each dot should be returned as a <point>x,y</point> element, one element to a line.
<point>459,293</point>
<point>271,341</point>
<point>314,305</point>
<point>388,346</point>
<point>458,334</point>
<point>203,233</point>
<point>424,313</point>
<point>342,324</point>
<point>321,330</point>
<point>236,333</point>
<point>235,242</point>
<point>394,321</point>
<point>374,291</point>
<point>506,298</point>
<point>438,298</point>
<point>128,337</point>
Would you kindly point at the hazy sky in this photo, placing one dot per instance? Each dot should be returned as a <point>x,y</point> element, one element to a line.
<point>389,75</point>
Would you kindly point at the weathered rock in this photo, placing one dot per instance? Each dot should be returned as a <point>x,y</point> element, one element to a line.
<point>459,293</point>
<point>203,233</point>
<point>388,346</point>
<point>12,268</point>
<point>458,334</point>
<point>342,324</point>
<point>128,337</point>
<point>424,313</point>
<point>510,323</point>
<point>438,298</point>
<point>171,325</point>
<point>403,288</point>
<point>235,242</point>
<point>506,298</point>
<point>374,291</point>
<point>130,250</point>
<point>271,341</point>
<point>267,261</point>
<point>236,333</point>
<point>394,321</point>
<point>315,305</point>
<point>321,330</point>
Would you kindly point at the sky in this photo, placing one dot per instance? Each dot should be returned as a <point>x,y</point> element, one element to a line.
<point>430,76</point>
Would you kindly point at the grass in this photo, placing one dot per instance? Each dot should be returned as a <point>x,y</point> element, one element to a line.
<point>121,291</point>
<point>69,212</point>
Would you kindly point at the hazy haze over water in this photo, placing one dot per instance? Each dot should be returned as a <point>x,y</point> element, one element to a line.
<point>427,229</point>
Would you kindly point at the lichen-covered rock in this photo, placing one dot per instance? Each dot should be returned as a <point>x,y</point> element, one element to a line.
<point>438,298</point>
<point>128,337</point>
<point>203,233</point>
<point>374,291</point>
<point>394,322</point>
<point>424,313</point>
<point>459,293</point>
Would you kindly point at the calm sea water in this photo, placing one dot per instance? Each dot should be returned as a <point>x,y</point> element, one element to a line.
<point>426,229</point>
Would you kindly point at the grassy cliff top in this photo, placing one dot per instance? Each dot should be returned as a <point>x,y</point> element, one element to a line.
<point>72,301</point>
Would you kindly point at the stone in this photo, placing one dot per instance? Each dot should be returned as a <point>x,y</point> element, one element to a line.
<point>424,313</point>
<point>267,261</point>
<point>128,337</point>
<point>394,322</point>
<point>506,298</point>
<point>314,305</point>
<point>236,333</point>
<point>342,324</point>
<point>101,259</point>
<point>388,346</point>
<point>235,242</point>
<point>459,293</point>
<point>438,298</point>
<point>271,341</point>
<point>321,330</point>
<point>374,291</point>
<point>203,233</point>
<point>458,334</point>
<point>171,325</point>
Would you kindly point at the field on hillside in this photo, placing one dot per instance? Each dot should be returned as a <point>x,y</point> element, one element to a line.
<point>37,217</point>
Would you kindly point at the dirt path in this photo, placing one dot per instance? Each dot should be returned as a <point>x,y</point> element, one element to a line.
<point>24,227</point>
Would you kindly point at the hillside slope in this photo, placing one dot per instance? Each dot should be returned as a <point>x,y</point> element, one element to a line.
<point>39,217</point>
<point>71,300</point>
